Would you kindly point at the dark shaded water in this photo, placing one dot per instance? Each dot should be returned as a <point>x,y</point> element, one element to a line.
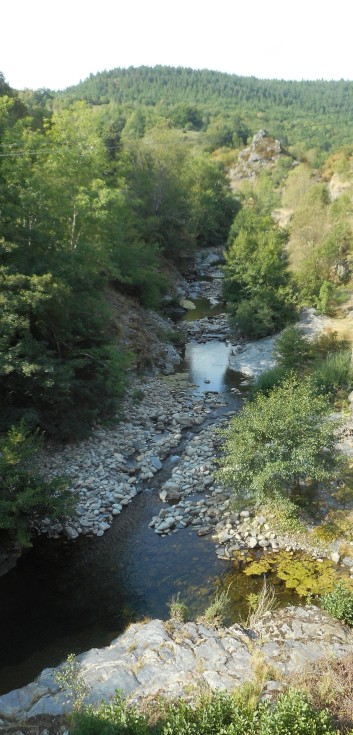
<point>65,597</point>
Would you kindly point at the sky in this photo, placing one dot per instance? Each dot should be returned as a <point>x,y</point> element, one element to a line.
<point>55,44</point>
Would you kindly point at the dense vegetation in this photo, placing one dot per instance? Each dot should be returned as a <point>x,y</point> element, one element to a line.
<point>79,211</point>
<point>281,442</point>
<point>103,185</point>
<point>218,714</point>
<point>230,108</point>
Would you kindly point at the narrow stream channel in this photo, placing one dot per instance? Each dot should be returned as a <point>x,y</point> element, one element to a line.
<point>65,597</point>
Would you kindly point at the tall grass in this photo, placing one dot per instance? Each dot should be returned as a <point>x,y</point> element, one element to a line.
<point>334,373</point>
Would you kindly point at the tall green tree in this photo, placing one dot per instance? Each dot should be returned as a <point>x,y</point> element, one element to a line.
<point>281,442</point>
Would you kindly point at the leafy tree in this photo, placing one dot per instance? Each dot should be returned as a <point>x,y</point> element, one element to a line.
<point>26,496</point>
<point>281,441</point>
<point>213,206</point>
<point>257,281</point>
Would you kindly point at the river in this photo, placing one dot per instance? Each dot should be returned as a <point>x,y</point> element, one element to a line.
<point>65,597</point>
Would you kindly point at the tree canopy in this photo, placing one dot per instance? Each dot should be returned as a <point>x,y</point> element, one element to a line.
<point>280,441</point>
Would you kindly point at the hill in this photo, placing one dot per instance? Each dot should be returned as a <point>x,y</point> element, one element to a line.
<point>317,113</point>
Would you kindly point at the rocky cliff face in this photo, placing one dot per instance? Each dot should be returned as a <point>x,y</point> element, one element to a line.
<point>178,659</point>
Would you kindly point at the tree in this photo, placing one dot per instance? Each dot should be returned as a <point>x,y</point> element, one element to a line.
<point>280,442</point>
<point>26,496</point>
<point>257,282</point>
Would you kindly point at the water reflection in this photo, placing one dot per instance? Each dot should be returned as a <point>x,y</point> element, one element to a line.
<point>203,308</point>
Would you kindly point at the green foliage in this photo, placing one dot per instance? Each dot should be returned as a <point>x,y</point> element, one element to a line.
<point>213,714</point>
<point>71,682</point>
<point>328,342</point>
<point>325,265</point>
<point>59,367</point>
<point>312,115</point>
<point>253,318</point>
<point>300,572</point>
<point>292,350</point>
<point>113,718</point>
<point>283,514</point>
<point>275,445</point>
<point>269,380</point>
<point>26,496</point>
<point>178,610</point>
<point>334,373</point>
<point>339,603</point>
<point>216,612</point>
<point>256,277</point>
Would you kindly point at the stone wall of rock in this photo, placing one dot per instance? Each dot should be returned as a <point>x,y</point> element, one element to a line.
<point>175,659</point>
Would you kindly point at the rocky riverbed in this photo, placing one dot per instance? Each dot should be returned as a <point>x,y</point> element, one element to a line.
<point>111,467</point>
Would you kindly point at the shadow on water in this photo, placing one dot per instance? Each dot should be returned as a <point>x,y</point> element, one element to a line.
<point>64,598</point>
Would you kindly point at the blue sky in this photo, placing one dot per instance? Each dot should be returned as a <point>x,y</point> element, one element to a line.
<point>55,44</point>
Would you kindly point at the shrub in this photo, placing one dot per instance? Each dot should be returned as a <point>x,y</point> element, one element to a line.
<point>275,445</point>
<point>269,380</point>
<point>253,318</point>
<point>178,610</point>
<point>292,349</point>
<point>334,373</point>
<point>217,610</point>
<point>328,342</point>
<point>214,714</point>
<point>261,603</point>
<point>328,682</point>
<point>339,603</point>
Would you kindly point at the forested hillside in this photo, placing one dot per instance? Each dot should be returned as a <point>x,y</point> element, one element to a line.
<point>305,114</point>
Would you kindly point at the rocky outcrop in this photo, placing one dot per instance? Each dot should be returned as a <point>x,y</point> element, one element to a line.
<point>262,152</point>
<point>178,659</point>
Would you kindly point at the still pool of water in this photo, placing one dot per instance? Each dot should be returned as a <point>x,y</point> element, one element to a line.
<point>65,597</point>
<point>208,366</point>
<point>203,308</point>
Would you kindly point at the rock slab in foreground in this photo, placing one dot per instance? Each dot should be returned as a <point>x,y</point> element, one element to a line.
<point>170,658</point>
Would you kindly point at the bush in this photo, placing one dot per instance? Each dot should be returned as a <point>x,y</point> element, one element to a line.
<point>269,380</point>
<point>334,373</point>
<point>215,714</point>
<point>253,318</point>
<point>280,443</point>
<point>328,342</point>
<point>216,612</point>
<point>292,349</point>
<point>178,610</point>
<point>339,603</point>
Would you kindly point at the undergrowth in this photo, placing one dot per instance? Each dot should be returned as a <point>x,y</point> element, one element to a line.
<point>212,714</point>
